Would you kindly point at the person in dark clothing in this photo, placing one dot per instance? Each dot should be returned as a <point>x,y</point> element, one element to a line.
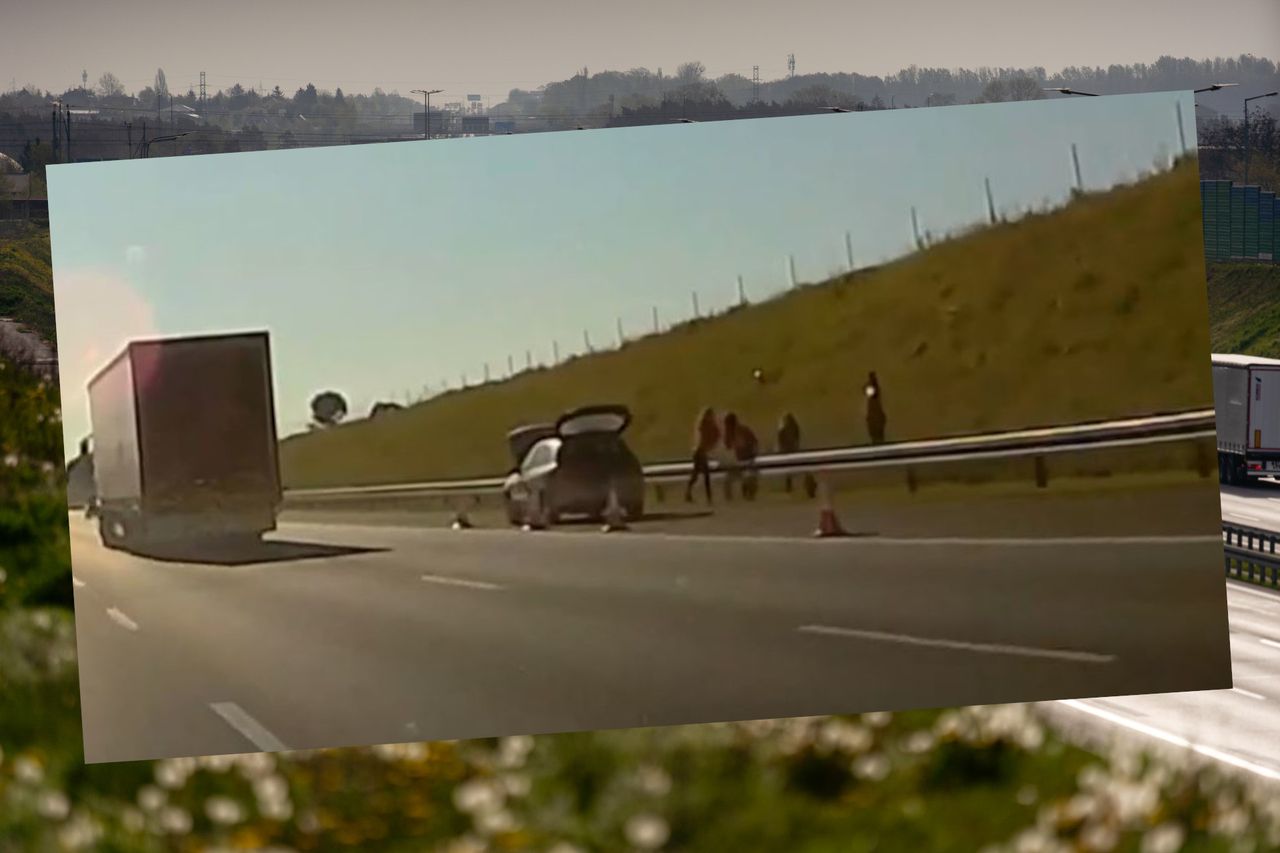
<point>788,441</point>
<point>876,419</point>
<point>742,444</point>
<point>706,436</point>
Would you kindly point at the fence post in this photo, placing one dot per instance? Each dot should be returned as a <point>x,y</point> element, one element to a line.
<point>1042,473</point>
<point>912,484</point>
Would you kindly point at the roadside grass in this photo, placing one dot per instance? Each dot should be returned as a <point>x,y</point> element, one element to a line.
<point>26,279</point>
<point>1244,308</point>
<point>1093,311</point>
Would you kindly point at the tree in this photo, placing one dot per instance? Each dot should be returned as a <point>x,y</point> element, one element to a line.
<point>161,87</point>
<point>35,156</point>
<point>690,72</point>
<point>109,85</point>
<point>328,408</point>
<point>1024,88</point>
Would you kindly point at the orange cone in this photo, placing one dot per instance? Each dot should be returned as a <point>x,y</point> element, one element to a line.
<point>828,523</point>
<point>614,517</point>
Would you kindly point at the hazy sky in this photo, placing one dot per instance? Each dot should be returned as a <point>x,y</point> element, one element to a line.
<point>490,46</point>
<point>384,268</point>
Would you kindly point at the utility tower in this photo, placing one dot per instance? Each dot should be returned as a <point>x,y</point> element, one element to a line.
<point>791,65</point>
<point>755,83</point>
<point>202,88</point>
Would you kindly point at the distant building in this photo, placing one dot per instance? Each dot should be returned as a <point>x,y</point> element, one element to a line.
<point>24,203</point>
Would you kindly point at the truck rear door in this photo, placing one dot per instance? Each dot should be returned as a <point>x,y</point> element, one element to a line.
<point>1264,409</point>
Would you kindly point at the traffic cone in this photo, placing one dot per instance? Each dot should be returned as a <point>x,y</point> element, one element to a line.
<point>614,517</point>
<point>828,523</point>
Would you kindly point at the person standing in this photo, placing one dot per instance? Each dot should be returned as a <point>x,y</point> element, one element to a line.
<point>788,441</point>
<point>744,447</point>
<point>876,419</point>
<point>706,435</point>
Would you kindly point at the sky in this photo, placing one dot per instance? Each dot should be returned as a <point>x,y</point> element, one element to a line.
<point>381,269</point>
<point>488,47</point>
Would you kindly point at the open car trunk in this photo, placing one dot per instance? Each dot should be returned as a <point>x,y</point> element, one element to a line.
<point>522,438</point>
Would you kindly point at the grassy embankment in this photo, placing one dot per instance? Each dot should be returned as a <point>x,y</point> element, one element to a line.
<point>26,279</point>
<point>1244,308</point>
<point>1094,311</point>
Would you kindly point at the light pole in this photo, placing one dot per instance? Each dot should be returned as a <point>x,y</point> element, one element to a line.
<point>426,109</point>
<point>1246,130</point>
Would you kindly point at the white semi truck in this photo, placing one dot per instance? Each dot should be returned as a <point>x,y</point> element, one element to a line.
<point>1246,401</point>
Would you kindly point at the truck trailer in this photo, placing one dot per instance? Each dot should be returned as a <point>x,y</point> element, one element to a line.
<point>184,441</point>
<point>1246,400</point>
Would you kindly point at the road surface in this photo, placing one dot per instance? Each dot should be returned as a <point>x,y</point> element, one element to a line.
<point>1241,726</point>
<point>343,635</point>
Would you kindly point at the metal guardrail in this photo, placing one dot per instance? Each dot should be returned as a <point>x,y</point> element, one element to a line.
<point>1250,554</point>
<point>1040,442</point>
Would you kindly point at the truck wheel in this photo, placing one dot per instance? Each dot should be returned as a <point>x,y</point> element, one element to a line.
<point>111,530</point>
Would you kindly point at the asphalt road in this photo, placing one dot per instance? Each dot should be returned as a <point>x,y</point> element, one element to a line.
<point>1238,726</point>
<point>342,635</point>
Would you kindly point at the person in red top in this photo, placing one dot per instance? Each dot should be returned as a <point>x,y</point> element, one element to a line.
<point>706,436</point>
<point>741,441</point>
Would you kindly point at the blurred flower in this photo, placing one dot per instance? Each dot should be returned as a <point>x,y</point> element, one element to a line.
<point>564,847</point>
<point>80,832</point>
<point>133,820</point>
<point>513,751</point>
<point>1165,838</point>
<point>1099,837</point>
<point>255,764</point>
<point>873,767</point>
<point>517,784</point>
<point>151,798</point>
<point>175,821</point>
<point>495,821</point>
<point>647,831</point>
<point>223,810</point>
<point>877,719</point>
<point>919,742</point>
<point>53,805</point>
<point>27,769</point>
<point>653,780</point>
<point>477,795</point>
<point>1027,795</point>
<point>42,620</point>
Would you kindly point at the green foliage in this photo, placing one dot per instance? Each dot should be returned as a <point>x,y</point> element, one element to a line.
<point>990,330</point>
<point>1244,308</point>
<point>26,279</point>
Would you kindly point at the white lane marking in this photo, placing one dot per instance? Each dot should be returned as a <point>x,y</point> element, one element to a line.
<point>1169,737</point>
<point>460,582</point>
<point>989,648</point>
<point>119,618</point>
<point>256,733</point>
<point>1272,643</point>
<point>77,583</point>
<point>1249,693</point>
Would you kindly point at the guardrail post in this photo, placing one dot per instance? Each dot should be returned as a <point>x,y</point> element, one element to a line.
<point>912,483</point>
<point>1042,473</point>
<point>658,494</point>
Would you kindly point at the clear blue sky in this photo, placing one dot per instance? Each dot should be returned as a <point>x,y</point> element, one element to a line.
<point>380,269</point>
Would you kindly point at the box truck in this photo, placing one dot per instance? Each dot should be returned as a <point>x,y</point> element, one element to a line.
<point>184,441</point>
<point>1246,401</point>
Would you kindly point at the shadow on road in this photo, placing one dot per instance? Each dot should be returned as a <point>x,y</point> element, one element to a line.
<point>247,553</point>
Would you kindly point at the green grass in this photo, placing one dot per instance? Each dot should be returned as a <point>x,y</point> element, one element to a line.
<point>1244,308</point>
<point>26,279</point>
<point>1093,311</point>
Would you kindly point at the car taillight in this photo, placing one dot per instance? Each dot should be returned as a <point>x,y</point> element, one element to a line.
<point>1255,466</point>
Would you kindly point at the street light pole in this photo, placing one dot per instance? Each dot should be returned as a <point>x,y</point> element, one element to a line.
<point>426,109</point>
<point>1246,129</point>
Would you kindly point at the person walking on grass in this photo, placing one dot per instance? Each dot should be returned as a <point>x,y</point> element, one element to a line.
<point>744,447</point>
<point>876,418</point>
<point>706,435</point>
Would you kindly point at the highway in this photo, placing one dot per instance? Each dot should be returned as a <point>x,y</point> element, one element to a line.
<point>1239,726</point>
<point>347,634</point>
